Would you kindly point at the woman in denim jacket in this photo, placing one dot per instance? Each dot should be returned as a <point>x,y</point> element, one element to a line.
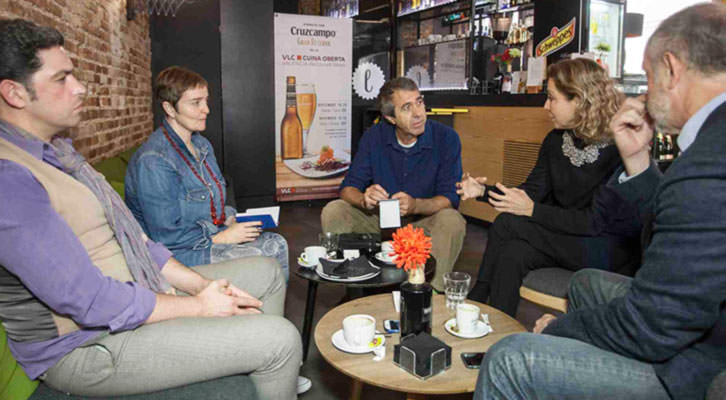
<point>176,191</point>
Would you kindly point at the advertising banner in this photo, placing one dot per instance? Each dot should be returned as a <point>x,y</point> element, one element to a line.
<point>558,30</point>
<point>313,67</point>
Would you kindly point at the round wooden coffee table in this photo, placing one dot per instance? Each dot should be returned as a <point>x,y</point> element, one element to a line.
<point>386,374</point>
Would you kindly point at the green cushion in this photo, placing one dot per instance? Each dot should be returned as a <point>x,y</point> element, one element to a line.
<point>14,384</point>
<point>126,155</point>
<point>114,169</point>
<point>118,187</point>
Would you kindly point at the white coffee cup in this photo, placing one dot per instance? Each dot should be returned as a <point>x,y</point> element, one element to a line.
<point>359,329</point>
<point>467,317</point>
<point>386,249</point>
<point>313,253</point>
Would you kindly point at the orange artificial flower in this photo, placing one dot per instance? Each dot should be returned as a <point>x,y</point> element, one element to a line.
<point>411,247</point>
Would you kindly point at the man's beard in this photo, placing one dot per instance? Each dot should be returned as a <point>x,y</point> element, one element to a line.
<point>659,108</point>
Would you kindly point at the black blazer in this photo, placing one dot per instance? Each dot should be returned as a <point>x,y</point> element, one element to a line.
<point>673,316</point>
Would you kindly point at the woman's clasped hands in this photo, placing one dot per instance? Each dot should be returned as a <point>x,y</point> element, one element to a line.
<point>510,200</point>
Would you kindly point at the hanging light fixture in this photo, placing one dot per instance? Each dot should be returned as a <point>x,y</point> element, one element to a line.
<point>158,7</point>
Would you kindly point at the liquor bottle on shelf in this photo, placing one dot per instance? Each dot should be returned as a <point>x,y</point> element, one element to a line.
<point>659,147</point>
<point>291,129</point>
<point>669,150</point>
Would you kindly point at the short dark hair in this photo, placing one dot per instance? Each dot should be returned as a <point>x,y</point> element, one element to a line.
<point>20,41</point>
<point>172,82</point>
<point>696,35</point>
<point>385,97</point>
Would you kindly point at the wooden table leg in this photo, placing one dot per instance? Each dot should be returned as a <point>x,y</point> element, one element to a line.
<point>308,320</point>
<point>355,389</point>
<point>415,396</point>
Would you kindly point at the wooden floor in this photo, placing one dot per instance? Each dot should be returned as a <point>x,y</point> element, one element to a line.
<point>300,224</point>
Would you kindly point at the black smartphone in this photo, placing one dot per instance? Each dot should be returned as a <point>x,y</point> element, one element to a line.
<point>391,326</point>
<point>492,189</point>
<point>472,360</point>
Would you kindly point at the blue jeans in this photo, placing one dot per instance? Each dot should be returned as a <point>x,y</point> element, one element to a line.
<point>533,366</point>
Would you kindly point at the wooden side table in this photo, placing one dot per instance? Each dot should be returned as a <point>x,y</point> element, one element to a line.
<point>386,374</point>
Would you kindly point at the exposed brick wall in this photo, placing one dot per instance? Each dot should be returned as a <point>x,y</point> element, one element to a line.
<point>112,57</point>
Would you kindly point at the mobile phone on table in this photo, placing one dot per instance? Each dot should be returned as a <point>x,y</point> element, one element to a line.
<point>391,326</point>
<point>472,360</point>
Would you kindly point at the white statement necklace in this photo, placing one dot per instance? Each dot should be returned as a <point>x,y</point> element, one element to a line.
<point>578,157</point>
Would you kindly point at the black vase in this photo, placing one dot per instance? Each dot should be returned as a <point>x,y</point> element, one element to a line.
<point>416,310</point>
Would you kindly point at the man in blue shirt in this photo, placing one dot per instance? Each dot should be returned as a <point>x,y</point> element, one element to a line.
<point>415,161</point>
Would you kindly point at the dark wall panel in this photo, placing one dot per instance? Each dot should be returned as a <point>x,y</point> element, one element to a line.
<point>285,6</point>
<point>191,39</point>
<point>249,105</point>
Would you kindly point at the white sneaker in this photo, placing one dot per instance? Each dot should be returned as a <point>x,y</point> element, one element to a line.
<point>303,384</point>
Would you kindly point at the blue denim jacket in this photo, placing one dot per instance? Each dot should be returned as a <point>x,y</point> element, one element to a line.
<point>168,200</point>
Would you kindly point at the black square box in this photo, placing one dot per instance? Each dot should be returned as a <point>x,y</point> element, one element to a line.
<point>422,355</point>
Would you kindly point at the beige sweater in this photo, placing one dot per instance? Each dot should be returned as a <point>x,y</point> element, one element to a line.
<point>77,205</point>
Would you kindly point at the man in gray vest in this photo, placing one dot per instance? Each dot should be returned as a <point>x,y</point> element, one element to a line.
<point>90,305</point>
<point>661,334</point>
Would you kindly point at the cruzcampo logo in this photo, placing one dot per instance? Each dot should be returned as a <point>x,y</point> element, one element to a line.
<point>557,39</point>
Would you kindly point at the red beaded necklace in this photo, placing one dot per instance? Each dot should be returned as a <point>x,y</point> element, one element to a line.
<point>217,221</point>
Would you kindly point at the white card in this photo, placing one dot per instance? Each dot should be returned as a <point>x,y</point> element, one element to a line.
<point>536,71</point>
<point>351,254</point>
<point>516,77</point>
<point>390,214</point>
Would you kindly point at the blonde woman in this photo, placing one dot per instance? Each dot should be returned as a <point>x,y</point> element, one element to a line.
<point>563,215</point>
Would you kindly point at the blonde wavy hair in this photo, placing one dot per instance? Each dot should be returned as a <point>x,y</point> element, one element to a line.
<point>595,95</point>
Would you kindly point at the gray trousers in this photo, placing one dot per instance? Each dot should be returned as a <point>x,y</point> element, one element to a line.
<point>269,244</point>
<point>187,350</point>
<point>446,228</point>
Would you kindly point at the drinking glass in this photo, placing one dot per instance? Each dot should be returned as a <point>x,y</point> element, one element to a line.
<point>306,105</point>
<point>456,287</point>
<point>329,240</point>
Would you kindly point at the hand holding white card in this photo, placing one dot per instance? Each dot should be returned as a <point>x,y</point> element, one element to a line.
<point>390,214</point>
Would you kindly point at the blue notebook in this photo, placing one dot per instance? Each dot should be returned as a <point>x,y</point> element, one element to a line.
<point>269,216</point>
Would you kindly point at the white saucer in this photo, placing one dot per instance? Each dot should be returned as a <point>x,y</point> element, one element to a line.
<point>379,257</point>
<point>304,263</point>
<point>340,343</point>
<point>482,329</point>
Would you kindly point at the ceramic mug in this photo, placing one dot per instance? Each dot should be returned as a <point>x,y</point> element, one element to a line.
<point>386,249</point>
<point>312,254</point>
<point>467,317</point>
<point>359,329</point>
